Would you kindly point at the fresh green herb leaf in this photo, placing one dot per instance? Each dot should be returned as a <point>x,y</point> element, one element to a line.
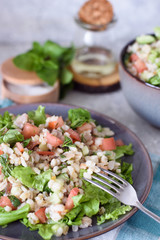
<point>50,62</point>
<point>127,58</point>
<point>53,50</point>
<point>1,194</point>
<point>15,201</point>
<point>68,55</point>
<point>30,151</point>
<point>6,122</point>
<point>12,136</point>
<point>47,189</point>
<point>28,61</point>
<point>6,166</point>
<point>38,116</point>
<point>78,117</point>
<point>67,142</point>
<point>66,76</point>
<point>26,142</point>
<point>48,74</point>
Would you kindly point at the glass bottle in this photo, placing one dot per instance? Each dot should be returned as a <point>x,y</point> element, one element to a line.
<point>94,59</point>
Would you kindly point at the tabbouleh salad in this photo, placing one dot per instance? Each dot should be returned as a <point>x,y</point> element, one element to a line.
<point>143,58</point>
<point>42,161</point>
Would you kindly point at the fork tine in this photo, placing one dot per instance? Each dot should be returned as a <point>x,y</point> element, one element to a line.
<point>106,183</point>
<point>110,179</point>
<point>102,187</point>
<point>114,175</point>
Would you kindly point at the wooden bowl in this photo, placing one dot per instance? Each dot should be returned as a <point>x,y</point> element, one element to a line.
<point>15,78</point>
<point>51,96</point>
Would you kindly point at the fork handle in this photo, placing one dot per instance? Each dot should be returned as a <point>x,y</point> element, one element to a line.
<point>146,211</point>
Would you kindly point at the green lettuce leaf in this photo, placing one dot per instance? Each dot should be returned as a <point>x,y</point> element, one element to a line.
<point>8,217</point>
<point>87,208</point>
<point>25,174</point>
<point>41,180</point>
<point>93,192</point>
<point>112,211</point>
<point>30,179</point>
<point>12,136</point>
<point>123,150</point>
<point>45,230</point>
<point>38,116</point>
<point>71,218</point>
<point>91,207</point>
<point>126,172</point>
<point>78,116</point>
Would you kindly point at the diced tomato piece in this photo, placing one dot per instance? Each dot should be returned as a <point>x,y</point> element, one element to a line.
<point>54,141</point>
<point>5,201</point>
<point>41,215</point>
<point>140,65</point>
<point>108,144</point>
<point>20,147</point>
<point>56,124</point>
<point>45,153</point>
<point>119,142</point>
<point>85,127</point>
<point>134,57</point>
<point>31,145</point>
<point>30,130</point>
<point>69,203</point>
<point>74,135</point>
<point>1,152</point>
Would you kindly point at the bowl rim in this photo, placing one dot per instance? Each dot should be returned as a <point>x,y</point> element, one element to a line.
<point>122,54</point>
<point>149,163</point>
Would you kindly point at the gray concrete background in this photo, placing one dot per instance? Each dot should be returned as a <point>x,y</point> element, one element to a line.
<point>22,22</point>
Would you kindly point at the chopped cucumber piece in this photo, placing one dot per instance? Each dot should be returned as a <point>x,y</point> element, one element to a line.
<point>145,39</point>
<point>152,56</point>
<point>99,128</point>
<point>158,72</point>
<point>157,32</point>
<point>54,198</point>
<point>85,150</point>
<point>155,80</point>
<point>43,147</point>
<point>63,176</point>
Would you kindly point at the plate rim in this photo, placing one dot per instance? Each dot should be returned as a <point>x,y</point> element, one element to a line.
<point>112,120</point>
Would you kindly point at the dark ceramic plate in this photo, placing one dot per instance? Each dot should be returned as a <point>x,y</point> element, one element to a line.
<point>142,175</point>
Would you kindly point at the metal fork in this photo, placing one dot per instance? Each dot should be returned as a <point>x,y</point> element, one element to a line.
<point>120,189</point>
